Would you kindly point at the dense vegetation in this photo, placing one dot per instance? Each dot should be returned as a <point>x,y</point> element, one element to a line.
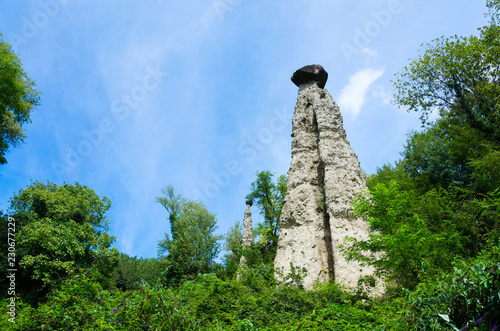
<point>434,216</point>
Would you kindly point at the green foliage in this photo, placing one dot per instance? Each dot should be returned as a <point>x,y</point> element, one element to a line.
<point>467,298</point>
<point>448,155</point>
<point>233,245</point>
<point>269,198</point>
<point>439,202</point>
<point>231,305</point>
<point>60,229</point>
<point>469,293</point>
<point>295,278</point>
<point>258,275</point>
<point>413,233</point>
<point>386,174</point>
<point>82,304</point>
<point>486,173</point>
<point>458,77</point>
<point>18,98</point>
<point>193,246</point>
<point>205,303</point>
<point>493,11</point>
<point>173,204</point>
<point>430,160</point>
<point>131,270</point>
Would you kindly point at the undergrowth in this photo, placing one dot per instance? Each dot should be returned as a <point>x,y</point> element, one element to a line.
<point>466,299</point>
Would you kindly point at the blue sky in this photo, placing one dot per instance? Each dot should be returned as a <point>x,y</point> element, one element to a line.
<point>140,95</point>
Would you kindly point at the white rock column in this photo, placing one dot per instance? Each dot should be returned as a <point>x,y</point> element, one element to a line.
<point>247,232</point>
<point>324,177</point>
<point>304,237</point>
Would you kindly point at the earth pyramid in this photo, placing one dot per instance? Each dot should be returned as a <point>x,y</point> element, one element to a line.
<point>324,177</point>
<point>247,232</point>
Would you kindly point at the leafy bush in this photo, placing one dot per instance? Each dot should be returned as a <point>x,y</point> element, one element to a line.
<point>414,233</point>
<point>231,305</point>
<point>82,304</point>
<point>401,241</point>
<point>466,299</point>
<point>131,270</point>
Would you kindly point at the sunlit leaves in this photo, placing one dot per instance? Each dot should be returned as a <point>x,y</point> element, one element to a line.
<point>457,77</point>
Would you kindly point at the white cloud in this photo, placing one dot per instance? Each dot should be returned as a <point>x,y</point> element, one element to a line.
<point>352,97</point>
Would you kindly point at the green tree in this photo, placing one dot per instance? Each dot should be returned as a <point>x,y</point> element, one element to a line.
<point>413,233</point>
<point>173,204</point>
<point>18,98</point>
<point>386,174</point>
<point>194,245</point>
<point>458,78</point>
<point>233,245</point>
<point>269,198</point>
<point>446,155</point>
<point>60,230</point>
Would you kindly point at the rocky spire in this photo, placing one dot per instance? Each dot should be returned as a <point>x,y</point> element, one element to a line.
<point>324,177</point>
<point>247,232</point>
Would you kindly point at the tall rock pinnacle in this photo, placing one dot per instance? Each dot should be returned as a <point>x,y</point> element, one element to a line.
<point>247,232</point>
<point>324,177</point>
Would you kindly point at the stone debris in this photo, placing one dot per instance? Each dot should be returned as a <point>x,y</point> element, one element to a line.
<point>324,177</point>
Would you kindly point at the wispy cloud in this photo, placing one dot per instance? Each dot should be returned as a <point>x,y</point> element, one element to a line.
<point>352,97</point>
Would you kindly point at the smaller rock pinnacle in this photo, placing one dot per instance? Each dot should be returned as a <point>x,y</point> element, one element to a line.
<point>310,73</point>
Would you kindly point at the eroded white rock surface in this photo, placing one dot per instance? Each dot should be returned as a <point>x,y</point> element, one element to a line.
<point>324,177</point>
<point>247,232</point>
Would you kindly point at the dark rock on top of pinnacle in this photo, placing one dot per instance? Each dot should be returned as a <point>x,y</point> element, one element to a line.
<point>249,202</point>
<point>310,73</point>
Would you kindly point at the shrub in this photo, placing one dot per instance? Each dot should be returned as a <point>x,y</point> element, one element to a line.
<point>81,304</point>
<point>466,299</point>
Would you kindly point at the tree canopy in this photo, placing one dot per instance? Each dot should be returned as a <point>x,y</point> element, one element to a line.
<point>459,79</point>
<point>60,229</point>
<point>18,98</point>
